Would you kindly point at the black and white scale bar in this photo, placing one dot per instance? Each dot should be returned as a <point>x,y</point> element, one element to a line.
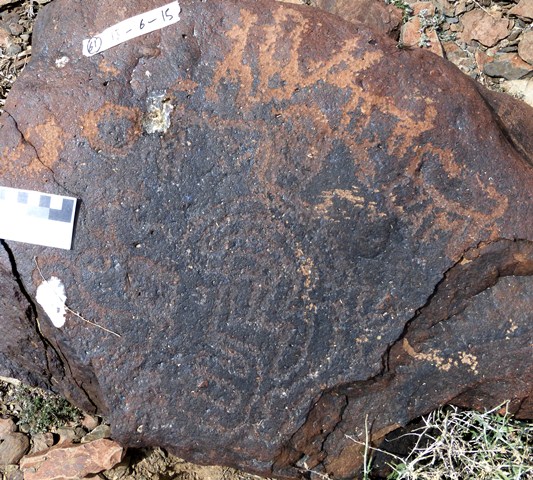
<point>35,217</point>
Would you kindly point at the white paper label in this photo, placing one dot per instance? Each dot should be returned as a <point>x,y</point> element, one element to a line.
<point>131,28</point>
<point>36,217</point>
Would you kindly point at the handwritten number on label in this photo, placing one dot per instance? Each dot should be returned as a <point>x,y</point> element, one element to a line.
<point>94,45</point>
<point>167,16</point>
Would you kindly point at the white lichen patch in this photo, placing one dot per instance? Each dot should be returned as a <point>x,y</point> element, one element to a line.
<point>62,61</point>
<point>51,296</point>
<point>157,117</point>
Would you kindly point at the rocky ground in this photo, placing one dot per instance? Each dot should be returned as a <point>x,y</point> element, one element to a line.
<point>32,421</point>
<point>491,41</point>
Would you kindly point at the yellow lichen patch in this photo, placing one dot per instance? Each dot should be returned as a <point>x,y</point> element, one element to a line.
<point>470,360</point>
<point>112,128</point>
<point>48,140</point>
<point>432,356</point>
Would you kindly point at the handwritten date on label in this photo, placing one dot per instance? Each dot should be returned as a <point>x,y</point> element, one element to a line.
<point>132,27</point>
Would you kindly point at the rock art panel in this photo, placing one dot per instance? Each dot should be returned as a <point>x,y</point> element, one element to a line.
<point>282,236</point>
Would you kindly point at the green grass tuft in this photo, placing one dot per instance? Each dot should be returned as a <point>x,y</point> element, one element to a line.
<point>42,411</point>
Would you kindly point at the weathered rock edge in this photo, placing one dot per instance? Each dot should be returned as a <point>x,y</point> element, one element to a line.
<point>293,127</point>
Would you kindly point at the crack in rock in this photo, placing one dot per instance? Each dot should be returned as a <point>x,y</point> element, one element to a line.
<point>26,141</point>
<point>57,366</point>
<point>476,272</point>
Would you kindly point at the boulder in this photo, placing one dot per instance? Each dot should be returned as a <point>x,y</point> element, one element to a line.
<point>295,227</point>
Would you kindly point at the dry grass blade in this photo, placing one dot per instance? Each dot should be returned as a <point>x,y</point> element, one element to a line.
<point>467,445</point>
<point>464,445</point>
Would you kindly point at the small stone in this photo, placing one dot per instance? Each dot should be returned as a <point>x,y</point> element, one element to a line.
<point>461,7</point>
<point>459,57</point>
<point>101,431</point>
<point>445,6</point>
<point>10,472</point>
<point>120,470</point>
<point>524,10</point>
<point>5,37</point>
<point>507,65</point>
<point>7,425</point>
<point>509,49</point>
<point>487,29</point>
<point>514,34</point>
<point>24,427</point>
<point>456,27</point>
<point>72,461</point>
<point>16,29</point>
<point>13,50</point>
<point>90,422</point>
<point>41,441</point>
<point>13,447</point>
<point>525,47</point>
<point>67,435</point>
<point>15,475</point>
<point>482,59</point>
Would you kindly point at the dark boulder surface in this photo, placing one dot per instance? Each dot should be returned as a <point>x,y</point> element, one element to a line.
<point>295,227</point>
<point>379,16</point>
